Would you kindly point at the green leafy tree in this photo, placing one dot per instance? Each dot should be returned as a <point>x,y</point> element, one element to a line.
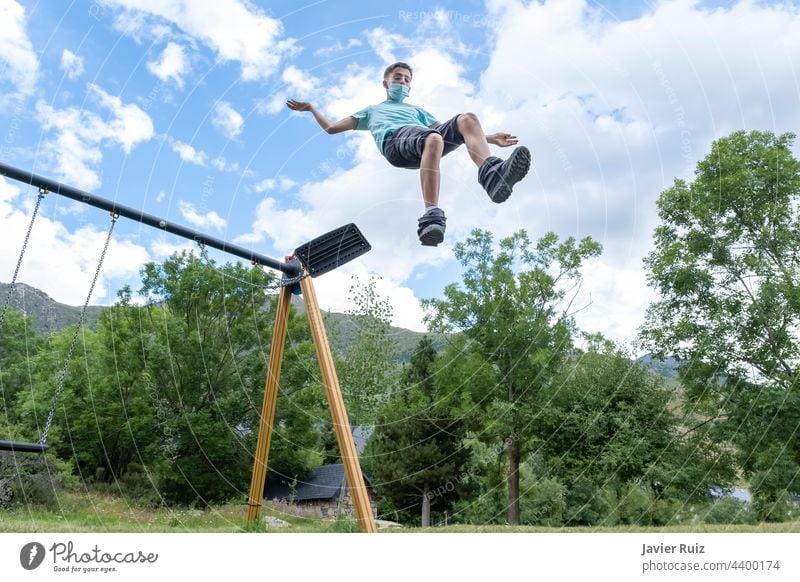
<point>105,418</point>
<point>367,367</point>
<point>368,370</point>
<point>34,405</point>
<point>608,426</point>
<point>511,307</point>
<point>727,266</point>
<point>415,455</point>
<point>209,375</point>
<point>542,498</point>
<point>107,415</point>
<point>18,348</point>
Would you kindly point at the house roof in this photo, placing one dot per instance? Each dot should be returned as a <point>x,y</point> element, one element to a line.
<point>360,436</point>
<point>324,483</point>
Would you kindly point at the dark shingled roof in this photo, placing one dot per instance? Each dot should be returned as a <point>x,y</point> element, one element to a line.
<point>324,483</point>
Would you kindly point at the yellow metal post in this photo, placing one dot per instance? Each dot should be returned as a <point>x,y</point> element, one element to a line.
<point>341,425</point>
<point>258,479</point>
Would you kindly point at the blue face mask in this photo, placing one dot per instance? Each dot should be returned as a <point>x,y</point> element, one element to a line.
<point>397,92</point>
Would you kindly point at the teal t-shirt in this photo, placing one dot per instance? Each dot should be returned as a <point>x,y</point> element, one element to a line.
<point>384,118</point>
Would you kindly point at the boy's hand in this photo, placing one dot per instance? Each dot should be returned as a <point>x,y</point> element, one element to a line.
<point>298,105</point>
<point>502,139</point>
<point>345,124</point>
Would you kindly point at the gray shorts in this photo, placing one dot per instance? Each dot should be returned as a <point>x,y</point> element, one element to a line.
<point>403,147</point>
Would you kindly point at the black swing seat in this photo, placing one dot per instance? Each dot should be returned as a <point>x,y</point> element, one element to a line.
<point>19,447</point>
<point>332,250</point>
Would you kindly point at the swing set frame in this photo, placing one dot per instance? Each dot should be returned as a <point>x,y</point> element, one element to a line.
<point>310,260</point>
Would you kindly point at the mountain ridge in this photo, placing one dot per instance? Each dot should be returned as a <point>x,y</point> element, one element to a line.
<point>46,314</point>
<point>49,315</point>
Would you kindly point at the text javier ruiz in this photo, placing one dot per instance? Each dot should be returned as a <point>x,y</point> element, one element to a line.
<point>672,549</point>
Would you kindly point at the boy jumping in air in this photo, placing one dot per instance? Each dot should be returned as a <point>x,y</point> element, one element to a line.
<point>410,137</point>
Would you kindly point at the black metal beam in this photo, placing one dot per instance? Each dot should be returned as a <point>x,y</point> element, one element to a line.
<point>18,447</point>
<point>290,269</point>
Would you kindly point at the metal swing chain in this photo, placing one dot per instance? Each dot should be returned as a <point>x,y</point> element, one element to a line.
<point>292,280</point>
<point>12,285</point>
<point>271,287</point>
<point>63,375</point>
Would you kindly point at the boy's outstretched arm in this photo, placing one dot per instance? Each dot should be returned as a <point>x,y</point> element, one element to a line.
<point>345,124</point>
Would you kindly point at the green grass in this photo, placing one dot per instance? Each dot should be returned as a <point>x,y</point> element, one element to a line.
<point>103,512</point>
<point>92,511</point>
<point>786,527</point>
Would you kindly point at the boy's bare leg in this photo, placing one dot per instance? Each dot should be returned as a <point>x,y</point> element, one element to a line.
<point>432,223</point>
<point>429,169</point>
<point>474,138</point>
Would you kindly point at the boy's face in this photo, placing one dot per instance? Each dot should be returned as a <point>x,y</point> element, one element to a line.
<point>399,76</point>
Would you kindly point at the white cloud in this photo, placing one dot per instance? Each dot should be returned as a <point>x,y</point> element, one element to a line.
<point>80,134</point>
<point>613,298</point>
<point>300,82</point>
<point>273,104</point>
<point>385,43</point>
<point>8,194</point>
<point>75,149</point>
<point>286,183</point>
<point>129,126</point>
<point>172,64</point>
<point>224,165</point>
<point>334,294</point>
<point>614,110</point>
<point>19,65</point>
<point>281,183</point>
<point>71,64</point>
<point>234,30</point>
<point>197,157</point>
<point>195,218</point>
<point>227,120</point>
<point>58,260</point>
<point>164,247</point>
<point>189,154</point>
<point>265,184</point>
<point>337,47</point>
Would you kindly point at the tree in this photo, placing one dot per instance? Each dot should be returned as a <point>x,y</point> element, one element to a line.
<point>33,405</point>
<point>368,370</point>
<point>18,348</point>
<point>726,263</point>
<point>415,455</point>
<point>511,307</point>
<point>608,426</point>
<point>209,367</point>
<point>107,416</point>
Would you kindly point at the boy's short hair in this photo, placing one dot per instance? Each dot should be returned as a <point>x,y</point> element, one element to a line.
<point>397,65</point>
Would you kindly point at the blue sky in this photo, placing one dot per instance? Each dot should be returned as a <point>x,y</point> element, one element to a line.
<point>176,108</point>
